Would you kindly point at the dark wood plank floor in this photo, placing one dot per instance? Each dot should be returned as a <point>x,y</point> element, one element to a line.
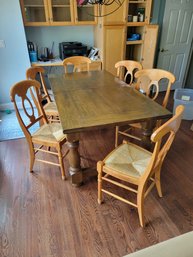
<point>41,215</point>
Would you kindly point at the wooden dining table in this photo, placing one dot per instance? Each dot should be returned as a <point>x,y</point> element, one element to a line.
<point>94,100</point>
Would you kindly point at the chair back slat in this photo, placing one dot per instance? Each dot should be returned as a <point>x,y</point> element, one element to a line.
<point>160,150</point>
<point>80,63</point>
<point>32,116</point>
<point>21,90</point>
<point>148,80</point>
<point>37,119</point>
<point>127,67</point>
<point>32,73</point>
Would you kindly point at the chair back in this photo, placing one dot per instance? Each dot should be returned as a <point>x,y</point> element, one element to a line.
<point>80,63</point>
<point>130,66</point>
<point>20,93</point>
<point>167,132</point>
<point>32,73</point>
<point>148,80</point>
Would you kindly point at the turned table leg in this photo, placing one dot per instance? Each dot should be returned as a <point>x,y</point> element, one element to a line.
<point>74,161</point>
<point>147,132</point>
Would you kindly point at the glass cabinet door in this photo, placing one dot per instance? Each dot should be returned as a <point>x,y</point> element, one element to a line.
<point>57,12</point>
<point>85,14</point>
<point>61,11</point>
<point>34,11</point>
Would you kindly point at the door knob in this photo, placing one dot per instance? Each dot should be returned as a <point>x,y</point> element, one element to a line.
<point>163,50</point>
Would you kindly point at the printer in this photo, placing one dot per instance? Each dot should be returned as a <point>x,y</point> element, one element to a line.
<point>67,49</point>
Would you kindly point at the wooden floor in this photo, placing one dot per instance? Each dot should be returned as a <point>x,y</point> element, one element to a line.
<point>43,216</point>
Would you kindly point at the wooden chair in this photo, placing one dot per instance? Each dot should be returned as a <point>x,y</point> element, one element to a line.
<point>126,67</point>
<point>130,66</point>
<point>80,63</point>
<point>50,107</point>
<point>137,166</point>
<point>48,134</point>
<point>148,82</point>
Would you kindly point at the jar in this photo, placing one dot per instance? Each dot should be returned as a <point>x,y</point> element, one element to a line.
<point>135,18</point>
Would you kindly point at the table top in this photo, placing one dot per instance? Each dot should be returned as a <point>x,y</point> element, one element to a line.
<point>91,100</point>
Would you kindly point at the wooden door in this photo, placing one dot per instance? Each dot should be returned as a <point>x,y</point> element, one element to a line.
<point>149,46</point>
<point>35,13</point>
<point>61,12</point>
<point>119,16</point>
<point>114,46</point>
<point>176,39</point>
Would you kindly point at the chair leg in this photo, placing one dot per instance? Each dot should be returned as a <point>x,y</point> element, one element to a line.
<point>32,156</point>
<point>99,169</point>
<point>116,135</point>
<point>61,163</point>
<point>158,181</point>
<point>140,206</point>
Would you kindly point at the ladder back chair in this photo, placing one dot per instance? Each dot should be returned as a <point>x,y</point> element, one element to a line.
<point>50,107</point>
<point>137,166</point>
<point>148,82</point>
<point>80,63</point>
<point>48,134</point>
<point>130,67</point>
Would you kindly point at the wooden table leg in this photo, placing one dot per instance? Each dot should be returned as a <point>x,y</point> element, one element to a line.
<point>74,161</point>
<point>147,132</point>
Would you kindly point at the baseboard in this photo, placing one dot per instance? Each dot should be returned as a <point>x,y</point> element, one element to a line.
<point>7,106</point>
<point>10,106</point>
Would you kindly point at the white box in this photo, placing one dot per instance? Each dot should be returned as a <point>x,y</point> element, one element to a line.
<point>184,96</point>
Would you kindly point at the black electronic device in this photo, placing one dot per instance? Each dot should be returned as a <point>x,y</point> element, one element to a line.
<point>68,49</point>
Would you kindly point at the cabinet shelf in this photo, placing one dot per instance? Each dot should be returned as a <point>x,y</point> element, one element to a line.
<point>136,24</point>
<point>134,42</point>
<point>137,2</point>
<point>61,5</point>
<point>34,5</point>
<point>85,6</point>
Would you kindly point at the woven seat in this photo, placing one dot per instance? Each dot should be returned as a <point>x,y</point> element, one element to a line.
<point>49,133</point>
<point>137,166</point>
<point>51,109</point>
<point>129,160</point>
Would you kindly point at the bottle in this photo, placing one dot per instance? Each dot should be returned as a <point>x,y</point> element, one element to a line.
<point>141,17</point>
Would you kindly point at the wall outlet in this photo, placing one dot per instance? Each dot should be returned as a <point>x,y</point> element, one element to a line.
<point>2,43</point>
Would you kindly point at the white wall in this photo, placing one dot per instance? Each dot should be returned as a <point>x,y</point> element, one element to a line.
<point>44,36</point>
<point>14,59</point>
